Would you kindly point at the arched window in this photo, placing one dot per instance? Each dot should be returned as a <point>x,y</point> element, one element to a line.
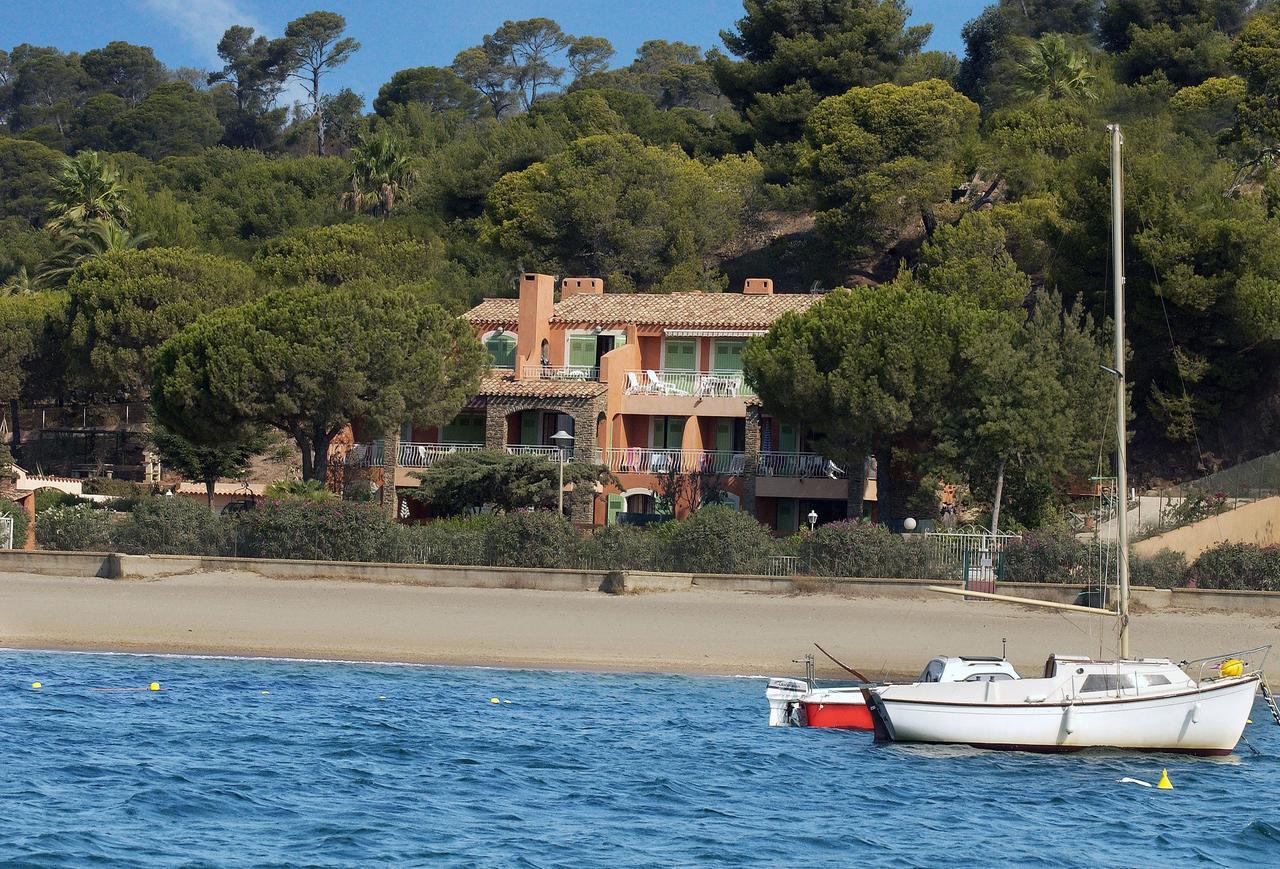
<point>502,348</point>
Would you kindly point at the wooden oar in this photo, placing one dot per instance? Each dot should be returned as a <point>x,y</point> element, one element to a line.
<point>842,666</point>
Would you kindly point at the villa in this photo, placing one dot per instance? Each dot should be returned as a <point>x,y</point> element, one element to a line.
<point>650,386</point>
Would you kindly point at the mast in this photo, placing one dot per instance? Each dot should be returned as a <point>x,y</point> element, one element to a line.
<point>1122,476</point>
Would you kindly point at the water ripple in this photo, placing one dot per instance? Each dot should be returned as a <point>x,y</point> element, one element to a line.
<point>341,764</point>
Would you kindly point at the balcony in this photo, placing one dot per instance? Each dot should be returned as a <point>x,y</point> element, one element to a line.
<point>412,455</point>
<point>640,460</point>
<point>551,452</point>
<point>798,465</point>
<point>700,384</point>
<point>561,372</point>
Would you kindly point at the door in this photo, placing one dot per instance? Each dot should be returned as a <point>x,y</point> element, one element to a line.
<point>724,435</point>
<point>788,516</point>
<point>616,504</point>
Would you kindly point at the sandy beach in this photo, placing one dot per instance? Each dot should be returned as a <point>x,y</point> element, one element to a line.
<point>680,632</point>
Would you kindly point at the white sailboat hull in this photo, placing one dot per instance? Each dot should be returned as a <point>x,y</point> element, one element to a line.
<point>1205,720</point>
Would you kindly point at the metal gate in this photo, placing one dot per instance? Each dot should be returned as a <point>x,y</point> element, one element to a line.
<point>971,554</point>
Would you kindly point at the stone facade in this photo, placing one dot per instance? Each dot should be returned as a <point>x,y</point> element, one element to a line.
<point>751,446</point>
<point>585,413</point>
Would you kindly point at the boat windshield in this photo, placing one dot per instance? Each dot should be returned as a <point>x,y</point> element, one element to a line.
<point>932,671</point>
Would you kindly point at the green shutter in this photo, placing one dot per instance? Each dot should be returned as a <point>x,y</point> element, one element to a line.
<point>467,428</point>
<point>502,349</point>
<point>724,435</point>
<point>582,351</point>
<point>680,355</point>
<point>788,516</point>
<point>728,356</point>
<point>787,438</point>
<point>531,427</point>
<point>617,504</point>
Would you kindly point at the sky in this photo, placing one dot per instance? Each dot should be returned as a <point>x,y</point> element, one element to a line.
<point>395,34</point>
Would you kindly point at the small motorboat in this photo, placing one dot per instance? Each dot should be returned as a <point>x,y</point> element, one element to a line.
<point>806,703</point>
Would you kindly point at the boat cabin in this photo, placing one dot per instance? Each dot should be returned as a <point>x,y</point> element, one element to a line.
<point>951,668</point>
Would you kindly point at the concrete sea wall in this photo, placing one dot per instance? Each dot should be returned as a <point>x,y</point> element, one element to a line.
<point>117,566</point>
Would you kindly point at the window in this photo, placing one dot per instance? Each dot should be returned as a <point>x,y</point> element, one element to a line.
<point>680,355</point>
<point>988,677</point>
<point>788,516</point>
<point>1105,682</point>
<point>1146,680</point>
<point>502,349</point>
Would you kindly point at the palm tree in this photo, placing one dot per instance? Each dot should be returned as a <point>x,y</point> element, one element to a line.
<point>89,189</point>
<point>1056,71</point>
<point>88,242</point>
<point>380,174</point>
<point>23,283</point>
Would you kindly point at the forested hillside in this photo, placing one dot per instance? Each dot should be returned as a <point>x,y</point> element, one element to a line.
<point>819,144</point>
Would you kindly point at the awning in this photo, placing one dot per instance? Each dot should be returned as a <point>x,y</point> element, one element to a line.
<point>715,333</point>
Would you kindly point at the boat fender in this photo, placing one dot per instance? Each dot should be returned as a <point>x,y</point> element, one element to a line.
<point>1067,723</point>
<point>1195,712</point>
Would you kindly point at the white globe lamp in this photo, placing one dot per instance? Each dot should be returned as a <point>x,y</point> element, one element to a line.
<point>909,524</point>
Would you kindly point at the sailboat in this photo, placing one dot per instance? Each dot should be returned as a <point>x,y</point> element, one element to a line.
<point>1197,707</point>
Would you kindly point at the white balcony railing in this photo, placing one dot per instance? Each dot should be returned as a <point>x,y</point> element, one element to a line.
<point>640,460</point>
<point>561,372</point>
<point>695,383</point>
<point>798,465</point>
<point>425,455</point>
<point>551,452</point>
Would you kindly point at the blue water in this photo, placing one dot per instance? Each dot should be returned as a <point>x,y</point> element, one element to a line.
<point>343,764</point>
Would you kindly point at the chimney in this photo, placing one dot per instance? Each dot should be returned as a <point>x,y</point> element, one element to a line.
<point>570,287</point>
<point>758,287</point>
<point>537,304</point>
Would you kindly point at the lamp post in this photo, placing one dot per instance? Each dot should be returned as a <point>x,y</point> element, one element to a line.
<point>563,440</point>
<point>813,520</point>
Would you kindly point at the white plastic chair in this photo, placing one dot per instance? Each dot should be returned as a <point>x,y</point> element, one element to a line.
<point>662,387</point>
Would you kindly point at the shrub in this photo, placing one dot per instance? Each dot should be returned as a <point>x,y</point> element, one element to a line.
<point>1049,555</point>
<point>623,547</point>
<point>535,539</point>
<point>445,541</point>
<point>307,490</point>
<point>860,549</point>
<point>49,498</point>
<point>1165,569</point>
<point>1237,566</point>
<point>20,521</point>
<point>172,526</point>
<point>78,528</point>
<point>719,540</point>
<point>315,530</point>
<point>116,488</point>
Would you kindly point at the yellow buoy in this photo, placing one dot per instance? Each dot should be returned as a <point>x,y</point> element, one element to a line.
<point>382,697</point>
<point>1164,784</point>
<point>154,686</point>
<point>35,685</point>
<point>494,700</point>
<point>1231,668</point>
<point>266,692</point>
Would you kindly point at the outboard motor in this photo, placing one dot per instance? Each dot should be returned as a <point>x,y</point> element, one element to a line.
<point>784,701</point>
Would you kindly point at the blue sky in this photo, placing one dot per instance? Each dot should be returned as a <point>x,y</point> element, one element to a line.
<point>395,33</point>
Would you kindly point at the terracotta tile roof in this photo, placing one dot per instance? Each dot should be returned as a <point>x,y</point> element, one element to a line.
<point>494,312</point>
<point>727,310</point>
<point>686,310</point>
<point>506,385</point>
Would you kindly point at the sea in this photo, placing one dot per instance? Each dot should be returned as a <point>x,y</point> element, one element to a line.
<point>236,762</point>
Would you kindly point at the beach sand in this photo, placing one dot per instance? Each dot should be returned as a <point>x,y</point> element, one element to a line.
<point>678,632</point>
